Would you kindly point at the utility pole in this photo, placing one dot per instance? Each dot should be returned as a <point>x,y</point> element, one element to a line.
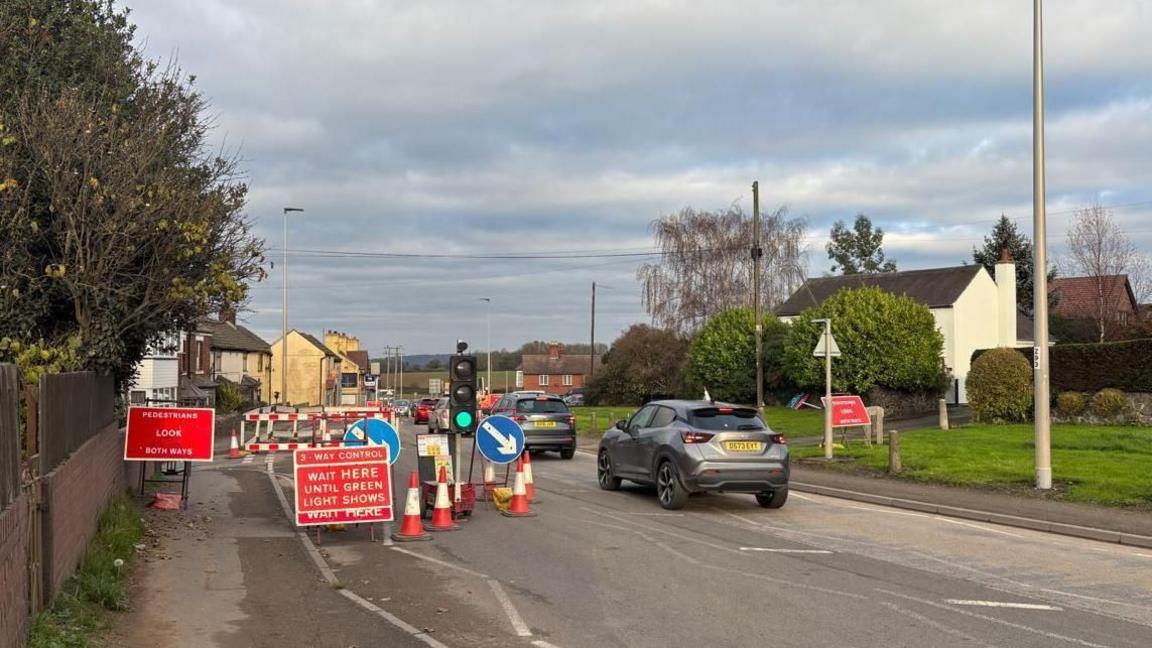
<point>592,340</point>
<point>400,391</point>
<point>827,385</point>
<point>488,342</point>
<point>1039,259</point>
<point>757,253</point>
<point>284,308</point>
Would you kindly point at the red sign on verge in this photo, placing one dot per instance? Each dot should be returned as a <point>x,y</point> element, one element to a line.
<point>335,485</point>
<point>848,411</point>
<point>169,434</point>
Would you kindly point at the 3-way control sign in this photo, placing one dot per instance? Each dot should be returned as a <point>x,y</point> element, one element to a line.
<point>500,439</point>
<point>349,485</point>
<point>169,434</point>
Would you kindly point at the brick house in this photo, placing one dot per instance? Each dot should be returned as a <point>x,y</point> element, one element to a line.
<point>556,372</point>
<point>1107,302</point>
<point>197,381</point>
<point>240,357</point>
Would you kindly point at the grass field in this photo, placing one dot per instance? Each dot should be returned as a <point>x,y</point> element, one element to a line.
<point>1098,464</point>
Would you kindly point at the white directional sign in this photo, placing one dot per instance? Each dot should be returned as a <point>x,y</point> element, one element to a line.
<point>819,350</point>
<point>500,439</point>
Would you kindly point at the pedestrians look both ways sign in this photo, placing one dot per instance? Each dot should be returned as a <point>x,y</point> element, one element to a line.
<point>848,411</point>
<point>500,439</point>
<point>335,485</point>
<point>169,434</point>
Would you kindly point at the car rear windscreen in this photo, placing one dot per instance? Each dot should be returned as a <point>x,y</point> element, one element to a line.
<point>428,401</point>
<point>719,419</point>
<point>542,406</point>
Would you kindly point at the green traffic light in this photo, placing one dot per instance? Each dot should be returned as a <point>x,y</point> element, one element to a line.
<point>464,419</point>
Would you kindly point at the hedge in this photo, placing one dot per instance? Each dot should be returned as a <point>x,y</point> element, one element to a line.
<point>1126,366</point>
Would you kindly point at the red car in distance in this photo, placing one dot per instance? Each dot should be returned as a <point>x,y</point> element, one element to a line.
<point>422,409</point>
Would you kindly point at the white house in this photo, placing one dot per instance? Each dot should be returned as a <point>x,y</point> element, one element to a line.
<point>971,310</point>
<point>158,374</point>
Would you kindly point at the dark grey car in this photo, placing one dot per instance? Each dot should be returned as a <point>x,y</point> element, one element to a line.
<point>547,422</point>
<point>685,447</point>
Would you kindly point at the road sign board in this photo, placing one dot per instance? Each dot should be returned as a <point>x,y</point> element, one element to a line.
<point>169,434</point>
<point>350,484</point>
<point>374,432</point>
<point>819,350</point>
<point>369,380</point>
<point>848,411</point>
<point>435,386</point>
<point>500,439</point>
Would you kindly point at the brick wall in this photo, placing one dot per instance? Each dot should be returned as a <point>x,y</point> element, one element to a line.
<point>14,573</point>
<point>74,495</point>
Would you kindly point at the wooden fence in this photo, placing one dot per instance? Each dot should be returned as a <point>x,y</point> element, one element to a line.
<point>74,407</point>
<point>10,432</point>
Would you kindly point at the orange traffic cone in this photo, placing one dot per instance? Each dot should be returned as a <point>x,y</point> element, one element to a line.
<point>412,529</point>
<point>234,447</point>
<point>442,512</point>
<point>529,482</point>
<point>490,482</point>
<point>519,505</point>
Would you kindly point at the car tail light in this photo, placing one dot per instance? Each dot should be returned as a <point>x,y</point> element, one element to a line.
<point>777,438</point>
<point>692,436</point>
<point>520,418</point>
<point>571,420</point>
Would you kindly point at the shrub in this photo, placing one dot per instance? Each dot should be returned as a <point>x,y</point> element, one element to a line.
<point>1000,386</point>
<point>1070,404</point>
<point>1109,403</point>
<point>722,357</point>
<point>887,340</point>
<point>1090,367</point>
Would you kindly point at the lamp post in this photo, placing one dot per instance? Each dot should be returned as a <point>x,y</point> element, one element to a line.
<point>488,319</point>
<point>284,323</point>
<point>1039,260</point>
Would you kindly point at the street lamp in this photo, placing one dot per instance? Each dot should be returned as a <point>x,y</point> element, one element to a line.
<point>1039,261</point>
<point>488,318</point>
<point>284,323</point>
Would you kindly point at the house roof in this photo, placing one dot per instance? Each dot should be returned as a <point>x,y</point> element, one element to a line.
<point>234,337</point>
<point>317,343</point>
<point>934,287</point>
<point>537,364</point>
<point>360,358</point>
<point>1078,296</point>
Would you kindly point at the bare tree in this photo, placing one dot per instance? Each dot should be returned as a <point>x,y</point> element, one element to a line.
<point>1099,248</point>
<point>706,264</point>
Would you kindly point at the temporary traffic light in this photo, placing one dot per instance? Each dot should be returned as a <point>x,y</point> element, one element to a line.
<point>462,394</point>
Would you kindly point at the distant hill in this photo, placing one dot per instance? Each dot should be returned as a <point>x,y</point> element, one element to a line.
<point>418,361</point>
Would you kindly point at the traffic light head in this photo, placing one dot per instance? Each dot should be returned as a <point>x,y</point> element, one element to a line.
<point>462,405</point>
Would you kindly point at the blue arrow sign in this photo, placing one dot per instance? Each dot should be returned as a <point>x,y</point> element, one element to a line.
<point>374,432</point>
<point>500,439</point>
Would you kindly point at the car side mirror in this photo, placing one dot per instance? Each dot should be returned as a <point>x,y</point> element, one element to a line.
<point>621,425</point>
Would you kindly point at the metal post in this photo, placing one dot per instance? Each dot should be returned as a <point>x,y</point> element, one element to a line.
<point>400,389</point>
<point>757,252</point>
<point>828,388</point>
<point>1040,263</point>
<point>592,340</point>
<point>488,320</point>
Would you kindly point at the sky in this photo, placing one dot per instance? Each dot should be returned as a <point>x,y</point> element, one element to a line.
<point>501,128</point>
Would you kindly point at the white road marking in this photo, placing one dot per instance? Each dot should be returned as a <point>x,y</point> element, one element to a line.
<point>878,509</point>
<point>442,563</point>
<point>1004,604</point>
<point>247,459</point>
<point>653,514</point>
<point>540,643</point>
<point>786,551</point>
<point>802,497</point>
<point>977,526</point>
<point>939,626</point>
<point>509,609</point>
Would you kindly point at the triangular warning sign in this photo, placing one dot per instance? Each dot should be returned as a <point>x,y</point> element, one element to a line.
<point>819,350</point>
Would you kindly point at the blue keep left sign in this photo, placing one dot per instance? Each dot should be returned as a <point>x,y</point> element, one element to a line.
<point>374,432</point>
<point>500,439</point>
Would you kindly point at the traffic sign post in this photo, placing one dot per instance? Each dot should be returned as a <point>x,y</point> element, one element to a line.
<point>374,432</point>
<point>343,485</point>
<point>500,439</point>
<point>170,434</point>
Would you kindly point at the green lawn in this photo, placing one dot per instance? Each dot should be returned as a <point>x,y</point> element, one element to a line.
<point>605,417</point>
<point>1099,464</point>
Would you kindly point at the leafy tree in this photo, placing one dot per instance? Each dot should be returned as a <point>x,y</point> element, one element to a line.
<point>1005,235</point>
<point>643,363</point>
<point>119,225</point>
<point>887,340</point>
<point>722,357</point>
<point>858,250</point>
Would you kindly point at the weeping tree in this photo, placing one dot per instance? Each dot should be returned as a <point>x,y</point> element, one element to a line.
<point>705,266</point>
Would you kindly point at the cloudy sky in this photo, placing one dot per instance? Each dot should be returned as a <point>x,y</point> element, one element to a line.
<point>493,128</point>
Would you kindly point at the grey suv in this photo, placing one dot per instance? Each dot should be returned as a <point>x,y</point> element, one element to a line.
<point>683,447</point>
<point>547,422</point>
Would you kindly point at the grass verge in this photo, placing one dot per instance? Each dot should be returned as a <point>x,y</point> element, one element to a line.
<point>605,418</point>
<point>1097,464</point>
<point>80,612</point>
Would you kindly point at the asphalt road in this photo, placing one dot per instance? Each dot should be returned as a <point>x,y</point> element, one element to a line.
<point>597,569</point>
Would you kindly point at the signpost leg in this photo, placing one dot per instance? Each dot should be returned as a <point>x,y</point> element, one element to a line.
<point>184,485</point>
<point>243,434</point>
<point>456,441</point>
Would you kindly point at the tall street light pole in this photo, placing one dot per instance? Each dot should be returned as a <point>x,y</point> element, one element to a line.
<point>284,308</point>
<point>757,252</point>
<point>592,340</point>
<point>1039,260</point>
<point>488,320</point>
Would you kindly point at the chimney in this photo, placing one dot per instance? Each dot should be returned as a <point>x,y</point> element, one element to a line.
<point>1005,300</point>
<point>228,314</point>
<point>554,351</point>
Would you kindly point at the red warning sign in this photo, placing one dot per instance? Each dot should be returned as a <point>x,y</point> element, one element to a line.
<point>348,485</point>
<point>848,411</point>
<point>169,434</point>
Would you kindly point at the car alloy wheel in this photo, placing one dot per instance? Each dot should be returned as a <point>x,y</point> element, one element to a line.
<point>669,490</point>
<point>604,472</point>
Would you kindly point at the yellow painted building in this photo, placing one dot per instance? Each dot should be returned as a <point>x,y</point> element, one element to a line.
<point>353,366</point>
<point>313,371</point>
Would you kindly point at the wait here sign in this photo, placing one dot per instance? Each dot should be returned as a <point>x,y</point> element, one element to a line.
<point>169,434</point>
<point>342,485</point>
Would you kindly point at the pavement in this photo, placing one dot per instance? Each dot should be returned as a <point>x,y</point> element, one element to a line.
<point>596,569</point>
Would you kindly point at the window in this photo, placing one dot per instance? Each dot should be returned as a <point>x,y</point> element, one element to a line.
<point>246,363</point>
<point>199,356</point>
<point>720,419</point>
<point>260,362</point>
<point>567,380</point>
<point>138,396</point>
<point>541,406</point>
<point>543,380</point>
<point>216,364</point>
<point>349,380</point>
<point>663,418</point>
<point>640,419</point>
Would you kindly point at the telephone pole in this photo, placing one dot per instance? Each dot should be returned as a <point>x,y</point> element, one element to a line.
<point>1039,259</point>
<point>757,253</point>
<point>592,341</point>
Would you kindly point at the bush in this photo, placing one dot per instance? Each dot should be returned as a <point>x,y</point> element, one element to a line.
<point>1000,387</point>
<point>1126,366</point>
<point>722,357</point>
<point>1070,404</point>
<point>1109,403</point>
<point>888,341</point>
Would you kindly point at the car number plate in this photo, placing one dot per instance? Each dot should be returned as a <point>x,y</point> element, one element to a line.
<point>743,446</point>
<point>544,423</point>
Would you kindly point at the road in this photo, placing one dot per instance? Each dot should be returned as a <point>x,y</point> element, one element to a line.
<point>597,569</point>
